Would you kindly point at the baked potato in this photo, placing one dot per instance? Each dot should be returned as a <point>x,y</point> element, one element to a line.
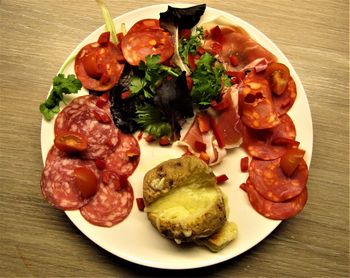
<point>182,199</point>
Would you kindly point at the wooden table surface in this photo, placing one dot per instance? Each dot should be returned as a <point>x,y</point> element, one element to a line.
<point>39,241</point>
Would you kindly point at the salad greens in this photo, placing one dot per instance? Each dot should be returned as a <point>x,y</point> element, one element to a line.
<point>61,85</point>
<point>208,79</point>
<point>190,46</point>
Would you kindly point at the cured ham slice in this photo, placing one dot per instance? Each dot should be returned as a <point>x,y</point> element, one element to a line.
<point>228,121</point>
<point>229,40</point>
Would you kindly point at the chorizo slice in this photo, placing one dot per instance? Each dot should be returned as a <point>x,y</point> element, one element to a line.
<point>58,180</point>
<point>255,103</point>
<point>264,144</point>
<point>144,24</point>
<point>269,180</point>
<point>137,45</point>
<point>98,67</point>
<point>285,101</point>
<point>275,210</point>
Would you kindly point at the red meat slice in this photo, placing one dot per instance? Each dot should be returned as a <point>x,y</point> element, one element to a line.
<point>235,41</point>
<point>58,180</point>
<point>124,160</point>
<point>110,205</point>
<point>98,67</point>
<point>137,45</point>
<point>255,103</point>
<point>259,143</point>
<point>269,180</point>
<point>80,116</point>
<point>275,210</point>
<point>144,24</point>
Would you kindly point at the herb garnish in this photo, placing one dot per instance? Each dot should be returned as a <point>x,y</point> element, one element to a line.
<point>190,46</point>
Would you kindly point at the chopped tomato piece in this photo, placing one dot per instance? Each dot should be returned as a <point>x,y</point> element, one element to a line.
<point>104,38</point>
<point>125,94</point>
<point>86,181</point>
<point>291,160</point>
<point>216,48</point>
<point>200,146</point>
<point>244,164</point>
<point>200,50</point>
<point>71,142</point>
<point>238,74</point>
<point>150,138</point>
<point>120,36</point>
<point>139,135</point>
<point>221,179</point>
<point>140,204</point>
<point>203,122</point>
<point>278,75</point>
<point>217,132</point>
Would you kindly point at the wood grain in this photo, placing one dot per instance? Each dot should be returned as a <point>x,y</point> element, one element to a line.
<point>39,241</point>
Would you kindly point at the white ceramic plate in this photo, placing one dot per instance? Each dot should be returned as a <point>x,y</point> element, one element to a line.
<point>135,239</point>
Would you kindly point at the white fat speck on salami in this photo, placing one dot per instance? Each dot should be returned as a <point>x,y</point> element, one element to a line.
<point>110,205</point>
<point>58,180</point>
<point>275,210</point>
<point>126,156</point>
<point>78,116</point>
<point>269,180</point>
<point>259,143</point>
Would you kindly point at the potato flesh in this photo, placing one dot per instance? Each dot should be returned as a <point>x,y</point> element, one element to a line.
<point>185,203</point>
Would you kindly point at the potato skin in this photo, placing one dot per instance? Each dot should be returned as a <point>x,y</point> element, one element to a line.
<point>173,172</point>
<point>176,173</point>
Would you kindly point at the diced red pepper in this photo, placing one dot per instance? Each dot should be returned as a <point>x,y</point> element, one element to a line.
<point>120,36</point>
<point>191,62</point>
<point>100,164</point>
<point>203,122</point>
<point>125,94</point>
<point>102,117</point>
<point>216,48</point>
<point>221,179</point>
<point>244,164</point>
<point>104,38</point>
<point>139,135</point>
<point>102,100</point>
<point>164,141</point>
<point>149,138</point>
<point>200,146</point>
<point>140,204</point>
<point>217,132</point>
<point>189,81</point>
<point>185,34</point>
<point>217,35</point>
<point>234,60</point>
<point>200,50</point>
<point>205,157</point>
<point>285,142</point>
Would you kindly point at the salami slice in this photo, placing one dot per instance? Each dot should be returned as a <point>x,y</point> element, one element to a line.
<point>285,101</point>
<point>137,45</point>
<point>82,116</point>
<point>255,103</point>
<point>58,180</point>
<point>126,156</point>
<point>98,67</point>
<point>261,143</point>
<point>110,205</point>
<point>273,210</point>
<point>144,24</point>
<point>268,179</point>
